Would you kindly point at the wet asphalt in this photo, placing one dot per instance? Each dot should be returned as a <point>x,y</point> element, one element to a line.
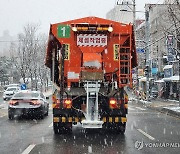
<point>147,131</point>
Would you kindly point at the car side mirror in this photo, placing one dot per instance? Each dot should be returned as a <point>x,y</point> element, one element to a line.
<point>47,97</point>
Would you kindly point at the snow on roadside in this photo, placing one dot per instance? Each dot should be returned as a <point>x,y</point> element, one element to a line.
<point>176,109</point>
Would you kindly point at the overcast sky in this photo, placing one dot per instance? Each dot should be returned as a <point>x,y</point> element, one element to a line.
<point>15,14</point>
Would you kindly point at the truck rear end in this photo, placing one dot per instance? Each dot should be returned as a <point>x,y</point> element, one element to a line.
<point>91,61</point>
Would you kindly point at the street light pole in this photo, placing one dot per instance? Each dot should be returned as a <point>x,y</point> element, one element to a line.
<point>134,26</point>
<point>147,50</point>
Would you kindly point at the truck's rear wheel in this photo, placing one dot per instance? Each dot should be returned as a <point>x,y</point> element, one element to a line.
<point>56,127</point>
<point>121,127</point>
<point>10,114</point>
<point>115,127</point>
<point>62,128</point>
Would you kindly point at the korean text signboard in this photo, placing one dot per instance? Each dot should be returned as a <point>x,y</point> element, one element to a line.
<point>116,51</point>
<point>99,40</point>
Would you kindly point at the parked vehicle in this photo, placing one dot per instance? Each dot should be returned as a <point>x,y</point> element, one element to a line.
<point>11,85</point>
<point>91,59</point>
<point>154,92</point>
<point>9,92</point>
<point>30,103</point>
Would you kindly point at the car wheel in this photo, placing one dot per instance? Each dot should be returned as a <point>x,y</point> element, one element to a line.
<point>47,111</point>
<point>10,115</point>
<point>56,128</point>
<point>41,115</point>
<point>121,128</point>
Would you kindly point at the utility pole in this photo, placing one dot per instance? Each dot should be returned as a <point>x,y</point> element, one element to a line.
<point>147,49</point>
<point>134,15</point>
<point>134,26</point>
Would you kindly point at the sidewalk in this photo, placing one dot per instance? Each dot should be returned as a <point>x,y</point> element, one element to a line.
<point>170,107</point>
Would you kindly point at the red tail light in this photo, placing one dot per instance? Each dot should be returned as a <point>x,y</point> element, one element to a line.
<point>67,103</point>
<point>113,103</point>
<point>35,102</point>
<point>13,102</point>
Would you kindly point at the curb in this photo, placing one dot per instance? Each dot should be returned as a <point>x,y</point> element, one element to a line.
<point>171,112</point>
<point>160,109</point>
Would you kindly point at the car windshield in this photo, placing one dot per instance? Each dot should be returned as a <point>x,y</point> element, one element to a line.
<point>11,89</point>
<point>26,95</point>
<point>154,88</point>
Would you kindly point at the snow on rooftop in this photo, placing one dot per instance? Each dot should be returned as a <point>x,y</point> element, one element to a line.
<point>168,66</point>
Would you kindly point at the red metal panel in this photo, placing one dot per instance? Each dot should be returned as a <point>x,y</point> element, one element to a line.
<point>79,53</point>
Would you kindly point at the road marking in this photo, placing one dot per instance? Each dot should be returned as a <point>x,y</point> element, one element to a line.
<point>51,125</point>
<point>141,112</point>
<point>140,108</point>
<point>145,134</point>
<point>2,115</point>
<point>129,108</point>
<point>28,149</point>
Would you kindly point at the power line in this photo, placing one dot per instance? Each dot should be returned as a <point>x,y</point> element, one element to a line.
<point>160,38</point>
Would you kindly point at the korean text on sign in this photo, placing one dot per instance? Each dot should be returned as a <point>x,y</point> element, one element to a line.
<point>91,40</point>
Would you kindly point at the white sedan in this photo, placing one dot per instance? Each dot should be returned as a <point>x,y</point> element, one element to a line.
<point>9,92</point>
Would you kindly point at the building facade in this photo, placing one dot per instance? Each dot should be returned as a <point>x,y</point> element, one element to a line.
<point>122,12</point>
<point>164,33</point>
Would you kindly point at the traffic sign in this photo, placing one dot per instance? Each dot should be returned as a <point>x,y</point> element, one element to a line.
<point>23,87</point>
<point>139,50</point>
<point>64,31</point>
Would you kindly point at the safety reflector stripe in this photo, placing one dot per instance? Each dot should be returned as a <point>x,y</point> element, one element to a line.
<point>114,119</point>
<point>104,119</point>
<point>56,119</point>
<point>76,119</point>
<point>110,119</point>
<point>70,119</point>
<point>65,119</point>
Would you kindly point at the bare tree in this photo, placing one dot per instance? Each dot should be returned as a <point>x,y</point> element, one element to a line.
<point>42,69</point>
<point>30,56</point>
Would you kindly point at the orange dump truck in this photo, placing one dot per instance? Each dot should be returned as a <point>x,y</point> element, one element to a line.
<point>91,61</point>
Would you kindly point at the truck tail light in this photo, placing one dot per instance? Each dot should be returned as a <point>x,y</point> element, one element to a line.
<point>113,103</point>
<point>56,104</point>
<point>67,103</point>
